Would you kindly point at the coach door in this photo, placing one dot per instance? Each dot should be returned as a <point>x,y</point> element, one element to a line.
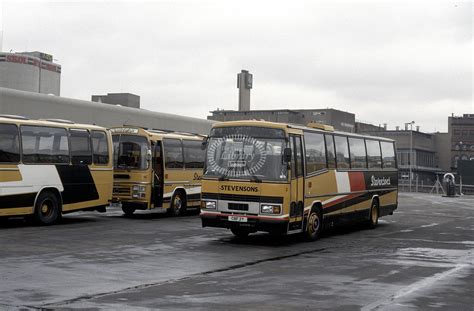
<point>297,184</point>
<point>157,160</point>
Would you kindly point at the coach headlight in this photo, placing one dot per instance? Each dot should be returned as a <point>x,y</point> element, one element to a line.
<point>138,192</point>
<point>270,209</point>
<point>208,204</point>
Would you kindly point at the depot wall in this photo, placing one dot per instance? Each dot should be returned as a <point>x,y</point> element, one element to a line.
<point>40,106</point>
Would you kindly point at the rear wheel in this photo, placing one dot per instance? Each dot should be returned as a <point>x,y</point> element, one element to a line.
<point>128,211</point>
<point>47,208</point>
<point>178,205</point>
<point>374,215</point>
<point>314,225</point>
<point>240,233</point>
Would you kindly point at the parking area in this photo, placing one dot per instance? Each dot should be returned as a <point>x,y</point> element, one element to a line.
<point>421,257</point>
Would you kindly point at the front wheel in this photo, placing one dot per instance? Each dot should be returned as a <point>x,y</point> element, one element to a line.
<point>128,211</point>
<point>47,208</point>
<point>178,205</point>
<point>314,226</point>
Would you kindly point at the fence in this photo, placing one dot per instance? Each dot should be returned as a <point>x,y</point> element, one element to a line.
<point>437,187</point>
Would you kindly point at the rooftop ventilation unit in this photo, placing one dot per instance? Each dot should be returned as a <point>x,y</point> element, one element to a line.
<point>11,116</point>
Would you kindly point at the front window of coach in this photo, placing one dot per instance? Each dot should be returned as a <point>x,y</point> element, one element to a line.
<point>131,152</point>
<point>247,153</point>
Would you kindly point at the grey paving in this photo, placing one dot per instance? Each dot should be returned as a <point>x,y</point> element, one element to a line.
<point>419,258</point>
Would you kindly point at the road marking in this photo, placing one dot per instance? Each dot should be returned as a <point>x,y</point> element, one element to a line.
<point>414,287</point>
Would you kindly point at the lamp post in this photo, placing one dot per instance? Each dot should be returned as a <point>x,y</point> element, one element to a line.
<point>411,149</point>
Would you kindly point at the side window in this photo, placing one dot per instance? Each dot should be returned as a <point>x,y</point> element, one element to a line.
<point>330,151</point>
<point>315,152</point>
<point>193,154</point>
<point>388,154</point>
<point>80,142</point>
<point>358,155</point>
<point>100,147</point>
<point>9,144</point>
<point>299,156</point>
<point>173,153</point>
<point>373,153</point>
<point>342,152</point>
<point>44,145</point>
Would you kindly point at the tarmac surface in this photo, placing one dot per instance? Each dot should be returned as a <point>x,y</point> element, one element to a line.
<point>420,258</point>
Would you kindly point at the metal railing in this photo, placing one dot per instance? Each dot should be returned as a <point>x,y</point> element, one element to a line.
<point>436,187</point>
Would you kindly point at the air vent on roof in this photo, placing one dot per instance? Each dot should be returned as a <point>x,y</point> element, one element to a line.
<point>60,121</point>
<point>11,116</point>
<point>320,126</point>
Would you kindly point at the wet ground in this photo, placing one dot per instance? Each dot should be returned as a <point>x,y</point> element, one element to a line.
<point>419,258</point>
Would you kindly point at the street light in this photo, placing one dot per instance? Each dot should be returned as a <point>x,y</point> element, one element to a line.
<point>411,148</point>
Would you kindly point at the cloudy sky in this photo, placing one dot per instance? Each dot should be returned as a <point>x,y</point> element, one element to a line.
<point>387,62</point>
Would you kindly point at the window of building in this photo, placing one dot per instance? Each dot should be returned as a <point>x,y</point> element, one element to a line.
<point>331,154</point>
<point>373,153</point>
<point>100,147</point>
<point>315,152</point>
<point>342,152</point>
<point>388,154</point>
<point>193,154</point>
<point>173,153</point>
<point>457,132</point>
<point>358,154</point>
<point>80,141</point>
<point>465,133</point>
<point>9,144</point>
<point>44,144</point>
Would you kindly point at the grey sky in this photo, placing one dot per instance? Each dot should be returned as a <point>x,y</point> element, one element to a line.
<point>389,62</point>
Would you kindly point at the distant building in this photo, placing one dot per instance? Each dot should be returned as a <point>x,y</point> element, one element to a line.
<point>31,72</point>
<point>461,132</point>
<point>340,120</point>
<point>122,99</point>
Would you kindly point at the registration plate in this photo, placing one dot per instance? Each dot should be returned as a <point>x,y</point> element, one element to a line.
<point>116,204</point>
<point>237,218</point>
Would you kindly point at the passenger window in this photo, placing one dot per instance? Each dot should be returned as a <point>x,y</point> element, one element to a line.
<point>331,155</point>
<point>342,152</point>
<point>44,145</point>
<point>388,154</point>
<point>373,153</point>
<point>315,152</point>
<point>100,148</point>
<point>9,144</point>
<point>193,154</point>
<point>358,154</point>
<point>81,152</point>
<point>173,153</point>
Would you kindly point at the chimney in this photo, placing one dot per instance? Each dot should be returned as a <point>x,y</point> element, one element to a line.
<point>417,128</point>
<point>385,126</point>
<point>397,128</point>
<point>406,126</point>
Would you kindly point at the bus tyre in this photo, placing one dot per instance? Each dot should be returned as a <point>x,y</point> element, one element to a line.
<point>128,211</point>
<point>314,225</point>
<point>374,215</point>
<point>177,205</point>
<point>240,233</point>
<point>47,208</point>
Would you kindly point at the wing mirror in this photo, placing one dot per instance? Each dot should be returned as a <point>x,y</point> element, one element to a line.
<point>287,155</point>
<point>204,143</point>
<point>148,155</point>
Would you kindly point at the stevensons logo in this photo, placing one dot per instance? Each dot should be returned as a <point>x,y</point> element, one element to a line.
<point>382,181</point>
<point>236,155</point>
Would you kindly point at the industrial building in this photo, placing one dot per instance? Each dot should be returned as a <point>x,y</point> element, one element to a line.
<point>121,99</point>
<point>30,71</point>
<point>40,106</point>
<point>340,120</point>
